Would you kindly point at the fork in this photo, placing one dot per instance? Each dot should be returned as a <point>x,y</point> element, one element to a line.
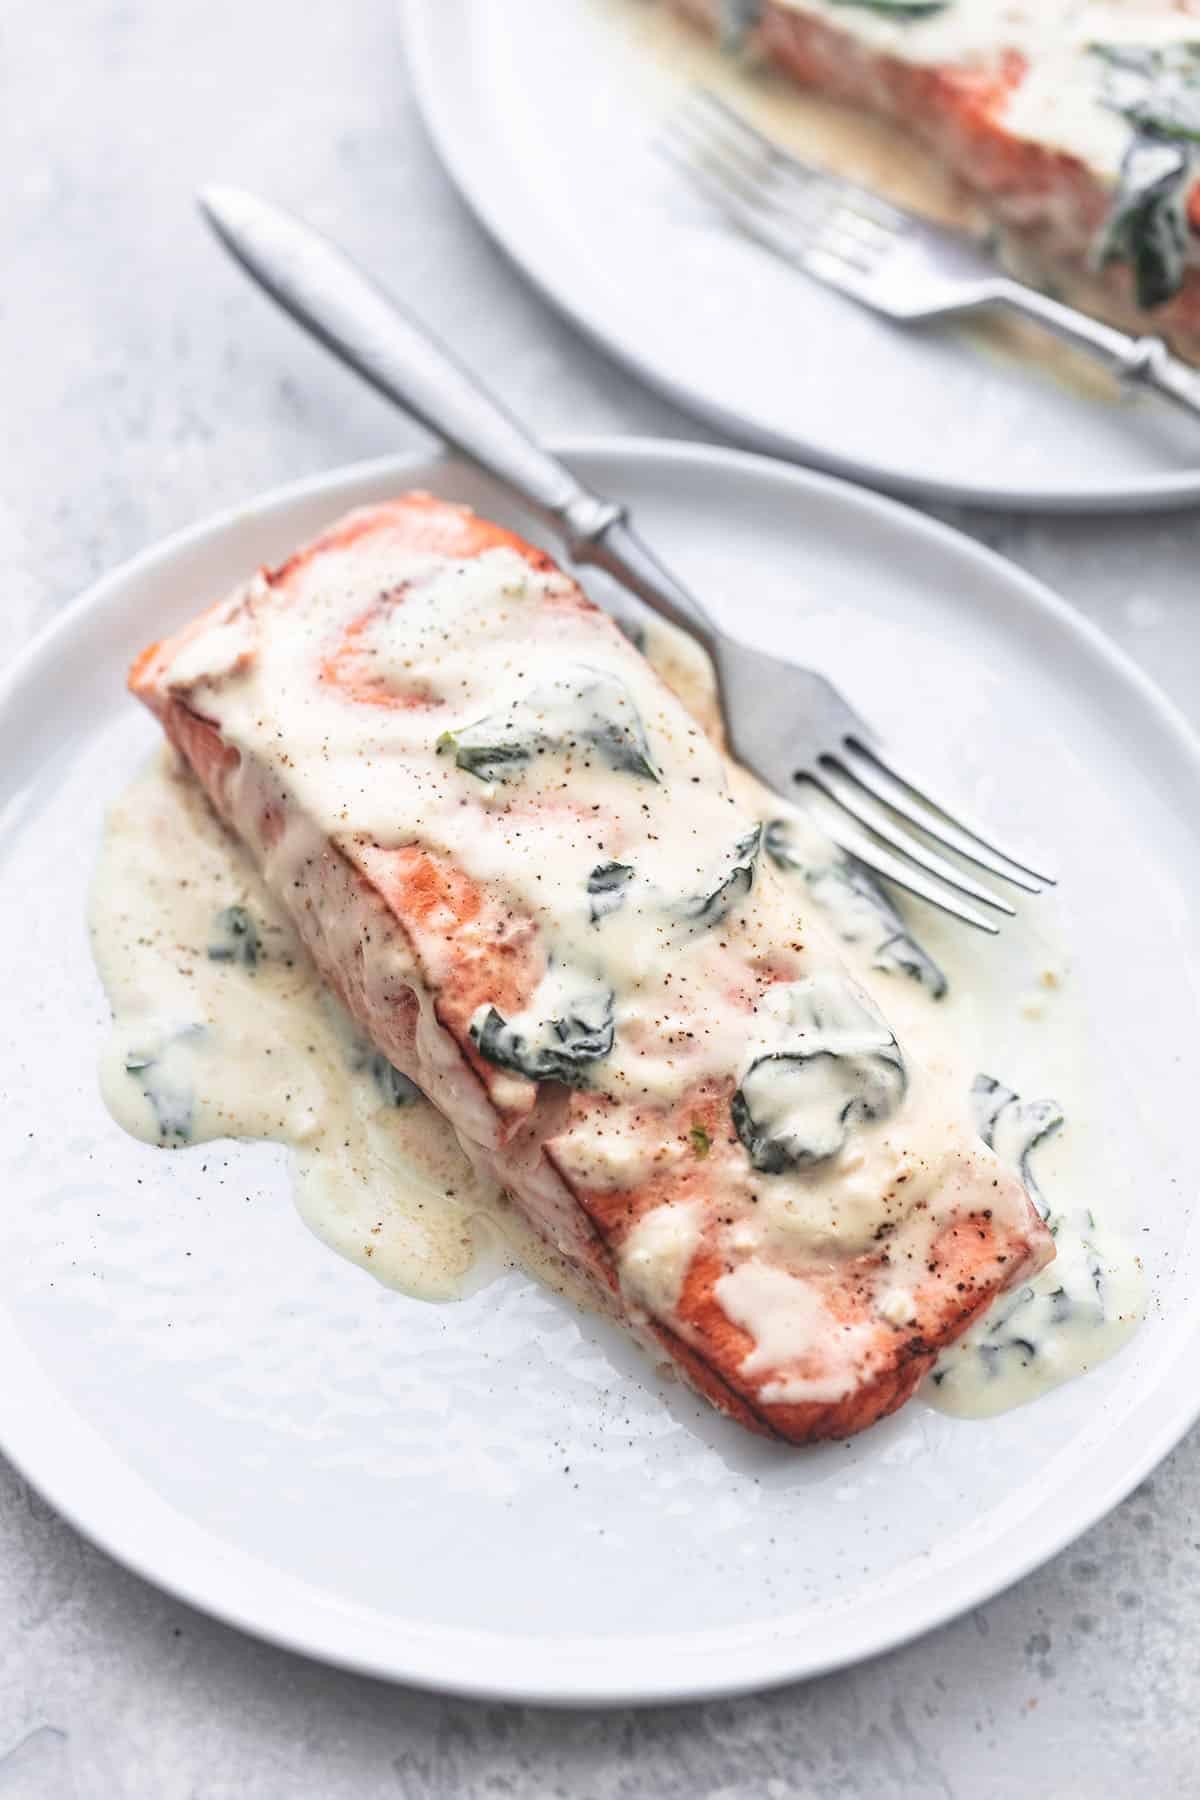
<point>788,724</point>
<point>888,259</point>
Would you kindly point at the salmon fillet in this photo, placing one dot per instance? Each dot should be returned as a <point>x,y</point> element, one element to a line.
<point>1072,121</point>
<point>519,863</point>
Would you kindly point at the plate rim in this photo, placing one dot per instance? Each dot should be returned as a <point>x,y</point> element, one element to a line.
<point>716,1667</point>
<point>521,246</point>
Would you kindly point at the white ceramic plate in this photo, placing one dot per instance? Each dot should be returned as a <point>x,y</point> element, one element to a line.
<point>545,112</point>
<point>501,1497</point>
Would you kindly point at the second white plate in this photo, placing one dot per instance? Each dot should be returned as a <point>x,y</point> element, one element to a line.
<point>501,1497</point>
<point>545,114</point>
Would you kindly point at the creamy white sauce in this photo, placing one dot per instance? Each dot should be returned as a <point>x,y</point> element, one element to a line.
<point>1074,1314</point>
<point>657,1253</point>
<point>785,1317</point>
<point>212,1045</point>
<point>1070,1318</point>
<point>203,1049</point>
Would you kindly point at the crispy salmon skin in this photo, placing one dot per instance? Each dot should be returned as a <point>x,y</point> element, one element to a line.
<point>523,868</point>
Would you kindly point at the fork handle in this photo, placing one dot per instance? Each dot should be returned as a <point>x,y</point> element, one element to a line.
<point>331,297</point>
<point>1139,361</point>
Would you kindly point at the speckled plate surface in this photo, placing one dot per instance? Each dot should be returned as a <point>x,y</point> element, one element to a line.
<point>501,1497</point>
<point>546,113</point>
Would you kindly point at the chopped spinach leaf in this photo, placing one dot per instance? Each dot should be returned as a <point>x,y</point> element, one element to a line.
<point>1147,224</point>
<point>859,908</point>
<point>838,1065</point>
<point>587,709</point>
<point>903,954</point>
<point>899,9</point>
<point>1060,1306</point>
<point>1157,88</point>
<point>1013,1128</point>
<point>234,938</point>
<point>606,888</point>
<point>700,1141</point>
<point>395,1088</point>
<point>738,18</point>
<point>710,909</point>
<point>487,760</point>
<point>557,1050</point>
<point>169,1093</point>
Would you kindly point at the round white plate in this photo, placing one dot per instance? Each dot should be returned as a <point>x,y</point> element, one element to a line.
<point>545,114</point>
<point>501,1497</point>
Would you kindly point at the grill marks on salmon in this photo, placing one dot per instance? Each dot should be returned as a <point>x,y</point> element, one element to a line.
<point>801,1327</point>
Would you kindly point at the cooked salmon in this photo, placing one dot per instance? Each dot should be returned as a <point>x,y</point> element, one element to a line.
<point>522,867</point>
<point>1073,121</point>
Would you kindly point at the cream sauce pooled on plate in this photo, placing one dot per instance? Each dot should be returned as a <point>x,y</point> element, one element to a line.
<point>222,1028</point>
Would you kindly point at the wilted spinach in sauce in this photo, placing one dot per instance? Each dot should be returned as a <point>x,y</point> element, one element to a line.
<point>738,18</point>
<point>558,1049</point>
<point>1147,225</point>
<point>837,1065</point>
<point>1075,1312</point>
<point>1013,1127</point>
<point>585,709</point>
<point>710,909</point>
<point>234,938</point>
<point>168,1090</point>
<point>899,9</point>
<point>1031,1326</point>
<point>394,1087</point>
<point>859,909</point>
<point>606,889</point>
<point>1157,88</point>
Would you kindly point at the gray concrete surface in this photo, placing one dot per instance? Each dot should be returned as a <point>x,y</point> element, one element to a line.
<point>143,385</point>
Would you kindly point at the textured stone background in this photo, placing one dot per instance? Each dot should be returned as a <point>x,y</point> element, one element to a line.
<point>142,385</point>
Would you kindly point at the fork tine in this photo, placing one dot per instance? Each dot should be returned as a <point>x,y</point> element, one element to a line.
<point>887,766</point>
<point>857,256</point>
<point>714,117</point>
<point>894,868</point>
<point>735,162</point>
<point>860,229</point>
<point>817,221</point>
<point>875,819</point>
<point>717,187</point>
<point>946,831</point>
<point>740,199</point>
<point>826,215</point>
<point>706,132</point>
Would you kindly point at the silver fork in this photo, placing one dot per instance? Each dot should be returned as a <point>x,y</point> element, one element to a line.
<point>788,724</point>
<point>890,260</point>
